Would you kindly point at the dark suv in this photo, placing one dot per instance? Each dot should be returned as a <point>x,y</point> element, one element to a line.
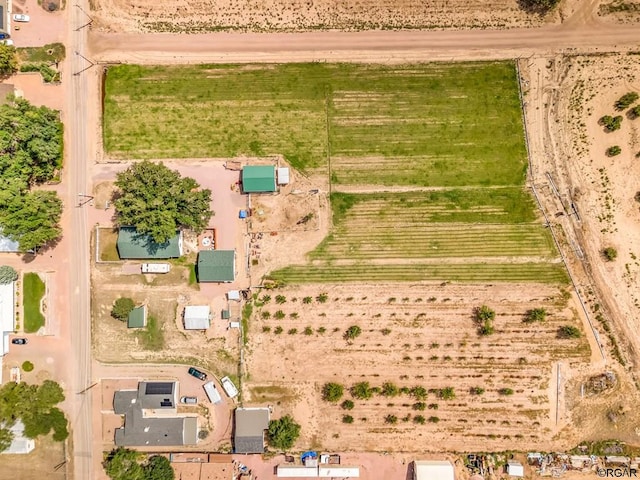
<point>197,373</point>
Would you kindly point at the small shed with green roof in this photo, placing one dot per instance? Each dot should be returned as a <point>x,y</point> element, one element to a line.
<point>134,245</point>
<point>216,266</point>
<point>137,317</point>
<point>259,179</point>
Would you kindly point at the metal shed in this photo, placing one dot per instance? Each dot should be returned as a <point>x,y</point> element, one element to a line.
<point>197,317</point>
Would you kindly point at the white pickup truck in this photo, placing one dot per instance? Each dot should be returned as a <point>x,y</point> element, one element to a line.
<point>156,268</point>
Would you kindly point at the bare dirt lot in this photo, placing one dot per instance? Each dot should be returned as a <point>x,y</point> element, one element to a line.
<point>565,98</point>
<point>45,461</point>
<point>195,16</point>
<point>414,336</point>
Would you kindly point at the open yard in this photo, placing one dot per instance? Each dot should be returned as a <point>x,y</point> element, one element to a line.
<point>502,385</point>
<point>194,16</point>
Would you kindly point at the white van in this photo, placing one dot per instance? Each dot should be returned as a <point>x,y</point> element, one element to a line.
<point>212,392</point>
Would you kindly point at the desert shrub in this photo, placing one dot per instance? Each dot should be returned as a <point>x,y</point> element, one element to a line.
<point>635,112</point>
<point>307,300</point>
<point>389,389</point>
<point>266,329</point>
<point>280,299</point>
<point>535,315</point>
<point>434,419</point>
<point>391,419</point>
<point>292,331</point>
<point>447,393</point>
<point>419,419</point>
<point>321,330</point>
<point>265,314</point>
<point>278,330</point>
<point>279,315</point>
<point>265,299</point>
<point>484,313</point>
<point>387,331</point>
<point>569,331</point>
<point>613,151</point>
<point>419,393</point>
<point>420,406</point>
<point>476,390</point>
<point>626,100</point>
<point>347,419</point>
<point>27,366</point>
<point>362,391</point>
<point>505,391</point>
<point>433,406</point>
<point>294,315</point>
<point>347,405</point>
<point>332,392</point>
<point>610,254</point>
<point>352,332</point>
<point>308,331</point>
<point>611,124</point>
<point>322,298</point>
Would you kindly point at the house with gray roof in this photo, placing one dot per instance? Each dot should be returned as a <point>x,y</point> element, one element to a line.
<point>250,424</point>
<point>150,417</point>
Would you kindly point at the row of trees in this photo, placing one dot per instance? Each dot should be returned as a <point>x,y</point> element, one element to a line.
<point>35,405</point>
<point>333,392</point>
<point>30,154</point>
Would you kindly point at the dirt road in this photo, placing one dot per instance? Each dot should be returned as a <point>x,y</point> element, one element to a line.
<point>581,32</point>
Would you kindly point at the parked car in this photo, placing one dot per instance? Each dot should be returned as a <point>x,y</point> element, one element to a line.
<point>20,17</point>
<point>197,373</point>
<point>4,35</point>
<point>189,400</point>
<point>19,341</point>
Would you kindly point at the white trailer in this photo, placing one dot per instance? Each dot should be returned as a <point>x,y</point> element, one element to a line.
<point>229,387</point>
<point>156,268</point>
<point>212,392</point>
<point>296,471</point>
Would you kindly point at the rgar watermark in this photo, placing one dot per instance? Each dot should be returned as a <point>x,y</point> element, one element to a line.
<point>617,472</point>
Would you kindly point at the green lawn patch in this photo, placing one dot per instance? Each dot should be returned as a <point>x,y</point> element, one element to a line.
<point>152,337</point>
<point>33,290</point>
<point>50,53</point>
<point>425,124</point>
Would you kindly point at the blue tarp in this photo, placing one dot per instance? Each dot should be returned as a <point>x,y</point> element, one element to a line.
<point>308,455</point>
<point>243,214</point>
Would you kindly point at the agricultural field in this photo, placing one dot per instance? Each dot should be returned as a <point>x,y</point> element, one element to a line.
<point>197,16</point>
<point>451,387</point>
<point>438,120</point>
<point>447,139</point>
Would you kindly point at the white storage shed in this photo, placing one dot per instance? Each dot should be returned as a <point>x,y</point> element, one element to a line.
<point>338,471</point>
<point>296,471</point>
<point>515,469</point>
<point>433,470</point>
<point>197,317</point>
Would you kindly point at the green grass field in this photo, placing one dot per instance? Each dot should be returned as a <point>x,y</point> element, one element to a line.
<point>428,124</point>
<point>33,289</point>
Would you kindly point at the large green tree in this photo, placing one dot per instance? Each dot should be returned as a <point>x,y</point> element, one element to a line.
<point>6,437</point>
<point>31,218</point>
<point>283,432</point>
<point>8,60</point>
<point>30,142</point>
<point>35,406</point>
<point>122,464</point>
<point>158,201</point>
<point>159,468</point>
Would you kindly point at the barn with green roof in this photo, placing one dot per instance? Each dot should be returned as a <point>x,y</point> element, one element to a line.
<point>259,179</point>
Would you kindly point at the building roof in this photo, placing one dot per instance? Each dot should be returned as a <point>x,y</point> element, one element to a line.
<point>142,428</point>
<point>258,178</point>
<point>433,470</point>
<point>197,317</point>
<point>20,444</point>
<point>137,317</point>
<point>7,317</point>
<point>250,425</point>
<point>216,266</point>
<point>6,244</point>
<point>133,245</point>
<point>515,469</point>
<point>338,471</point>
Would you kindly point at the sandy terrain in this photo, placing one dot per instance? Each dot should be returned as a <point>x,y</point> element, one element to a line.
<point>431,341</point>
<point>43,27</point>
<point>198,16</point>
<point>619,11</point>
<point>567,96</point>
